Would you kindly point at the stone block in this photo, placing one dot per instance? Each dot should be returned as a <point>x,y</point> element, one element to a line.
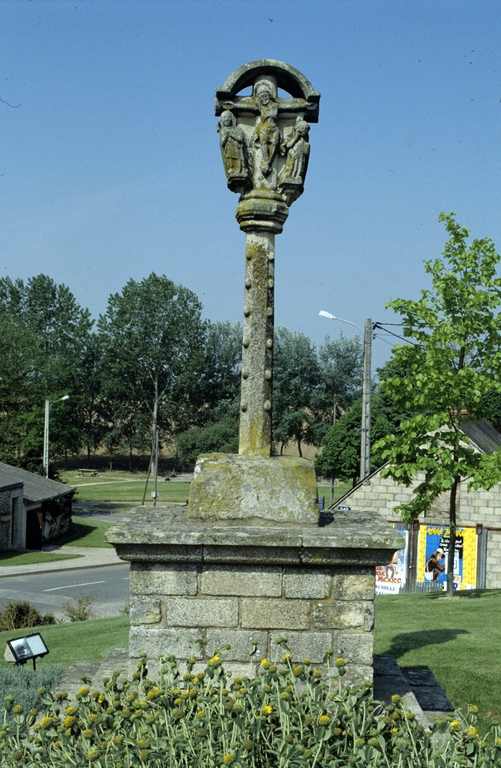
<point>163,579</point>
<point>239,580</point>
<point>274,613</point>
<point>195,612</point>
<point>307,583</point>
<point>302,645</point>
<point>350,585</point>
<point>240,641</point>
<point>144,610</point>
<point>159,641</point>
<point>356,674</point>
<point>246,555</point>
<point>280,488</point>
<point>354,647</point>
<point>344,614</point>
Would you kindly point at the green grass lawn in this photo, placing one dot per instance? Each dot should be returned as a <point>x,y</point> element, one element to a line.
<point>123,486</point>
<point>339,490</point>
<point>457,639</point>
<point>29,558</point>
<point>77,641</point>
<point>88,533</point>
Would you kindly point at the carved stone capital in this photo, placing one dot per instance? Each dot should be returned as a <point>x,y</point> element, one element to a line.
<point>258,212</point>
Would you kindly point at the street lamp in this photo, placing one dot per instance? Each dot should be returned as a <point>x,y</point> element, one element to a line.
<point>48,404</point>
<point>365,452</point>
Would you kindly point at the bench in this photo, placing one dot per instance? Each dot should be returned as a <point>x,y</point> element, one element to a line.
<point>87,472</point>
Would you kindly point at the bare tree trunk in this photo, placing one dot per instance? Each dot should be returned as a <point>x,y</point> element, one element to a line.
<point>452,535</point>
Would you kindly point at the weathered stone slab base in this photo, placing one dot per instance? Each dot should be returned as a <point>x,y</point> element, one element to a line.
<point>278,488</point>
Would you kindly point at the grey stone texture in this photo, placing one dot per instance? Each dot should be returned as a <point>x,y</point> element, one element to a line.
<point>244,581</point>
<point>278,488</point>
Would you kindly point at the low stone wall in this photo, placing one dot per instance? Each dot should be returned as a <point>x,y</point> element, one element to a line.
<point>235,584</point>
<point>174,606</point>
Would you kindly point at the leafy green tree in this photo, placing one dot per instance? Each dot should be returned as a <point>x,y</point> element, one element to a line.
<point>52,331</point>
<point>341,363</point>
<point>296,381</point>
<point>153,351</point>
<point>219,437</point>
<point>340,454</point>
<point>218,386</point>
<point>451,367</point>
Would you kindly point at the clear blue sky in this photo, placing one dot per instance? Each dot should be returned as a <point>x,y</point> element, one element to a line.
<point>110,165</point>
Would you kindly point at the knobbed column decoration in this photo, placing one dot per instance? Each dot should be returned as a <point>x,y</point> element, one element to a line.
<point>265,148</point>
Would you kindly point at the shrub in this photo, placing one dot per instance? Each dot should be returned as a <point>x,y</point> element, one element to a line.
<point>79,608</point>
<point>21,684</point>
<point>290,716</point>
<point>22,615</point>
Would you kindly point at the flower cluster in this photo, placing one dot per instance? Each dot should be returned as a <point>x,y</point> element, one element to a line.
<point>289,715</point>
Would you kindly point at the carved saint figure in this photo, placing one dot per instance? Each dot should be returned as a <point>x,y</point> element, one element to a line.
<point>267,132</point>
<point>232,142</point>
<point>298,150</point>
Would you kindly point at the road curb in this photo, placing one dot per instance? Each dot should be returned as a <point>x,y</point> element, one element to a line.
<point>59,570</point>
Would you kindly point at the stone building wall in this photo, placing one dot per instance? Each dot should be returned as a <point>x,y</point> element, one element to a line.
<point>5,519</point>
<point>317,609</point>
<point>382,495</point>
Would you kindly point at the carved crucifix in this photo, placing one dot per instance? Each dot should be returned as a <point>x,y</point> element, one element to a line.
<point>265,149</point>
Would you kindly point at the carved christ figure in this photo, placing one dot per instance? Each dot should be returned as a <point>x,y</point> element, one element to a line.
<point>267,132</point>
<point>232,143</point>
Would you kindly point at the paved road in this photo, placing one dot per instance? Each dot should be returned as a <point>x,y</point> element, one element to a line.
<point>48,591</point>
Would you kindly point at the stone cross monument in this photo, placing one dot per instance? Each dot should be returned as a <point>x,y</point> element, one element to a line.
<point>265,150</point>
<point>251,559</point>
<point>264,141</point>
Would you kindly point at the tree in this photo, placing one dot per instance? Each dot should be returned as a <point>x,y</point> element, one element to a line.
<point>340,454</point>
<point>341,362</point>
<point>219,383</point>
<point>153,343</point>
<point>296,379</point>
<point>52,331</point>
<point>452,365</point>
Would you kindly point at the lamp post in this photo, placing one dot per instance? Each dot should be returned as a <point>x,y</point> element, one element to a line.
<point>48,404</point>
<point>365,447</point>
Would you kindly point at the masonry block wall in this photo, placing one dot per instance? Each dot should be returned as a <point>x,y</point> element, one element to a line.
<point>382,495</point>
<point>5,519</point>
<point>317,609</point>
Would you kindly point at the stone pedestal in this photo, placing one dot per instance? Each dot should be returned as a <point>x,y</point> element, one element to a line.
<point>231,581</point>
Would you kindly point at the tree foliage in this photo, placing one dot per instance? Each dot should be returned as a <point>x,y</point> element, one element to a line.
<point>152,337</point>
<point>451,367</point>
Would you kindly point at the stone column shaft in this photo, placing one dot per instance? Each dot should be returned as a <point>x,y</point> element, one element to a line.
<point>257,352</point>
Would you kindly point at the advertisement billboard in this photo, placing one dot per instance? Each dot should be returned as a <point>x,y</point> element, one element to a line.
<point>433,556</point>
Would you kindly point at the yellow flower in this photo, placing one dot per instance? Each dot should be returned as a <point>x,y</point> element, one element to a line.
<point>87,733</point>
<point>71,710</point>
<point>92,755</point>
<point>394,730</point>
<point>455,724</point>
<point>473,709</point>
<point>395,698</point>
<point>215,661</point>
<point>265,663</point>
<point>228,759</point>
<point>46,722</point>
<point>68,721</point>
<point>82,692</point>
<point>340,662</point>
<point>337,731</point>
<point>267,710</point>
<point>324,720</point>
<point>286,657</point>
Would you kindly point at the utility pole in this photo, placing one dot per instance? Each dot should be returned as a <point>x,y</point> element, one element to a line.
<point>365,454</point>
<point>332,475</point>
